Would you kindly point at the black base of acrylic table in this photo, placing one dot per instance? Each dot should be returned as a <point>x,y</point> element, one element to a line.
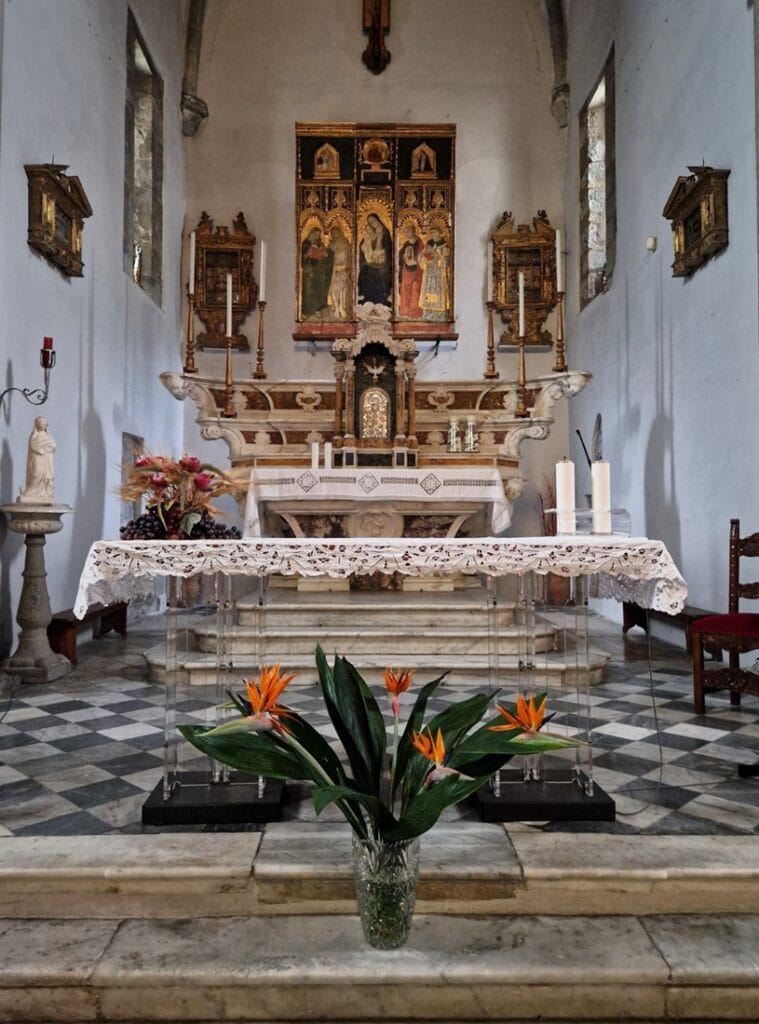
<point>555,798</point>
<point>198,801</point>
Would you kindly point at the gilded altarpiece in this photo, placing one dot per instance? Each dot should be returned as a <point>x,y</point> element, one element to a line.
<point>375,229</point>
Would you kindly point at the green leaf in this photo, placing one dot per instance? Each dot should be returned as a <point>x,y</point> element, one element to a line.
<point>256,753</point>
<point>414,724</point>
<point>188,520</point>
<point>316,745</point>
<point>381,818</point>
<point>426,807</point>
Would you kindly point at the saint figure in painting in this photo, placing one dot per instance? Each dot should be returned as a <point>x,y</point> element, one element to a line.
<point>409,274</point>
<point>338,297</point>
<point>375,276</point>
<point>316,264</point>
<point>436,277</point>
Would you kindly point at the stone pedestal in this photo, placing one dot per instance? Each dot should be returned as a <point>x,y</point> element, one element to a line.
<point>33,660</point>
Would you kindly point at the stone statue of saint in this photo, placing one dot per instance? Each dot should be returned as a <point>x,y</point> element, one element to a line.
<point>39,466</point>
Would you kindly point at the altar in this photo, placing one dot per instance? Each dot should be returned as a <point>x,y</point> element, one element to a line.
<point>384,501</point>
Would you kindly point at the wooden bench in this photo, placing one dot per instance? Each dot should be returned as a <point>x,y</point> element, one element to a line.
<point>61,633</point>
<point>634,615</point>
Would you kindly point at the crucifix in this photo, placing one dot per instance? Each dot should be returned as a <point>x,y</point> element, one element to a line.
<point>376,24</point>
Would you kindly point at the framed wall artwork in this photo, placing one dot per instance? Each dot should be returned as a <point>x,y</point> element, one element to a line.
<point>219,251</point>
<point>375,229</point>
<point>531,250</point>
<point>58,207</point>
<point>697,208</point>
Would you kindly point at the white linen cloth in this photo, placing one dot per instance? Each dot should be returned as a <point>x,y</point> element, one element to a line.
<point>378,484</point>
<point>629,568</point>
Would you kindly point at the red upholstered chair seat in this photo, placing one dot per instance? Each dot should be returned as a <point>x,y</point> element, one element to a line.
<point>738,624</point>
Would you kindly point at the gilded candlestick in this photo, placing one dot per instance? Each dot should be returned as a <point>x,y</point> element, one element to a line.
<point>228,411</point>
<point>560,366</point>
<point>260,373</point>
<point>189,359</point>
<point>490,371</point>
<point>521,411</point>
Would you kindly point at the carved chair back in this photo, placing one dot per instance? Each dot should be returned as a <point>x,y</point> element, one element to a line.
<point>741,547</point>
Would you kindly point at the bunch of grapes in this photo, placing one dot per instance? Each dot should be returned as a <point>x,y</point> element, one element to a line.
<point>148,526</point>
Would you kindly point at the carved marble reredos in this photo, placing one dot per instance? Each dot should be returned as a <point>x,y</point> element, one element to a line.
<point>375,332</point>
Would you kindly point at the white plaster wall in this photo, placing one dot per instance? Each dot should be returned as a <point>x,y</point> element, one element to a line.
<point>675,361</point>
<point>484,65</point>
<point>63,92</point>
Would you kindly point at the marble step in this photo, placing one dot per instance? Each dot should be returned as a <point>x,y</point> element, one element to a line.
<point>198,668</point>
<point>317,968</point>
<point>368,638</point>
<point>331,611</point>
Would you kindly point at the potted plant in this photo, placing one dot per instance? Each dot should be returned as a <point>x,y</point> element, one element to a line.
<point>389,798</point>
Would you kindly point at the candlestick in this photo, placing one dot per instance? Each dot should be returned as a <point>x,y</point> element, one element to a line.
<point>559,263</point>
<point>314,455</point>
<point>262,274</point>
<point>328,455</point>
<point>600,473</point>
<point>565,497</point>
<point>259,372</point>
<point>521,303</point>
<point>490,371</point>
<point>560,366</point>
<point>47,354</point>
<point>38,396</point>
<point>189,359</point>
<point>489,273</point>
<point>521,410</point>
<point>229,306</point>
<point>191,285</point>
<point>228,412</point>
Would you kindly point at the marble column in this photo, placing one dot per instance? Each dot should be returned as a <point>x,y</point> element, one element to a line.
<point>33,660</point>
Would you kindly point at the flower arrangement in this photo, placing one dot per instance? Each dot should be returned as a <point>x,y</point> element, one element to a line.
<point>391,798</point>
<point>178,497</point>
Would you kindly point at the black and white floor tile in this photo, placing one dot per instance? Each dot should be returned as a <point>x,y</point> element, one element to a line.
<point>79,756</point>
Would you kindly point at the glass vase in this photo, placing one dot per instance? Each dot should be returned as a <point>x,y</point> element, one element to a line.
<point>386,876</point>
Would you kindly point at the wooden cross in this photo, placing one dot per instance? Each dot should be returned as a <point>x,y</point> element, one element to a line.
<point>376,24</point>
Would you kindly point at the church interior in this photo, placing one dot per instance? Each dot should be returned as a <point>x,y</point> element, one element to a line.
<point>388,328</point>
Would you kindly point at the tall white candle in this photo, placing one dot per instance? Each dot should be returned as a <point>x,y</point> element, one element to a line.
<point>601,480</point>
<point>559,263</point>
<point>314,455</point>
<point>521,304</point>
<point>565,497</point>
<point>229,305</point>
<point>328,455</point>
<point>191,285</point>
<point>489,272</point>
<point>262,274</point>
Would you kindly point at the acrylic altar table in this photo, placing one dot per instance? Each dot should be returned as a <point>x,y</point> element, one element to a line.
<point>381,501</point>
<point>626,568</point>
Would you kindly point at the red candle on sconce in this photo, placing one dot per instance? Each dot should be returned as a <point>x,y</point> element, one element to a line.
<point>47,354</point>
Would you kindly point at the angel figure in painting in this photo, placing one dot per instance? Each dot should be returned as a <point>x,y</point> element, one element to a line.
<point>338,298</point>
<point>39,466</point>
<point>375,263</point>
<point>436,277</point>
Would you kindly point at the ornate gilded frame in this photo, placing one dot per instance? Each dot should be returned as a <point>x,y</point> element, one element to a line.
<point>219,251</point>
<point>697,208</point>
<point>530,249</point>
<point>58,206</point>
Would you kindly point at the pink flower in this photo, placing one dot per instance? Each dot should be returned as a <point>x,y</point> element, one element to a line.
<point>203,481</point>
<point>191,463</point>
<point>159,481</point>
<point>142,460</point>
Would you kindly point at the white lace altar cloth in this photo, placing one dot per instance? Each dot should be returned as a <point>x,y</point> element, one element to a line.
<point>629,569</point>
<point>378,484</point>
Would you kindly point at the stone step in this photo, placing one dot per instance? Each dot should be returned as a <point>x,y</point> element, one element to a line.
<point>297,968</point>
<point>381,612</point>
<point>368,638</point>
<point>554,668</point>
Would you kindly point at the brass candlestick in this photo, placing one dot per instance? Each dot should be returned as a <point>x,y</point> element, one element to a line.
<point>189,358</point>
<point>522,412</point>
<point>490,371</point>
<point>260,373</point>
<point>560,365</point>
<point>228,411</point>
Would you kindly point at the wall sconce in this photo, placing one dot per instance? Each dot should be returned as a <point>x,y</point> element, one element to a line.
<point>38,396</point>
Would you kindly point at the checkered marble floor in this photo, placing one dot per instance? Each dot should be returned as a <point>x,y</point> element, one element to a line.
<point>79,756</point>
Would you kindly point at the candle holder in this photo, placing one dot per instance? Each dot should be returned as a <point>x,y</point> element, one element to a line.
<point>37,396</point>
<point>522,411</point>
<point>560,366</point>
<point>189,359</point>
<point>228,411</point>
<point>490,371</point>
<point>260,373</point>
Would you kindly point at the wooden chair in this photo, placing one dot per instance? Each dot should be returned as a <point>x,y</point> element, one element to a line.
<point>737,632</point>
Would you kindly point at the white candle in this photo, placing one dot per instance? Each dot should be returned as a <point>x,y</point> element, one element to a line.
<point>328,455</point>
<point>601,477</point>
<point>191,285</point>
<point>489,272</point>
<point>314,455</point>
<point>262,274</point>
<point>559,263</point>
<point>565,497</point>
<point>229,305</point>
<point>521,304</point>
